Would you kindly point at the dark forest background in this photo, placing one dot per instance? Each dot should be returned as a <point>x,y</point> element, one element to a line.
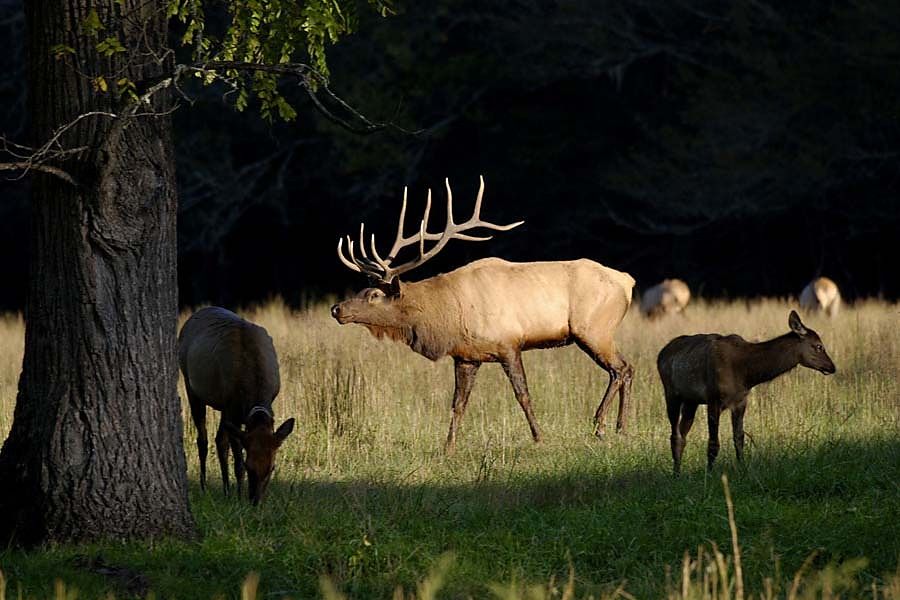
<point>744,147</point>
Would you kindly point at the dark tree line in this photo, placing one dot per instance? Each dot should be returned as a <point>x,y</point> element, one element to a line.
<point>744,147</point>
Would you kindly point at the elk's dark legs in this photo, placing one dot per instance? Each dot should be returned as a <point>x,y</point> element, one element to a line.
<point>673,410</point>
<point>465,378</point>
<point>222,453</point>
<point>198,414</point>
<point>679,432</point>
<point>512,365</point>
<point>238,454</point>
<point>624,396</point>
<point>620,373</point>
<point>737,429</point>
<point>712,449</point>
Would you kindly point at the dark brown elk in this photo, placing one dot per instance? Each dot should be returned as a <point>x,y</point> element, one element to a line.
<point>491,310</point>
<point>720,370</point>
<point>230,365</point>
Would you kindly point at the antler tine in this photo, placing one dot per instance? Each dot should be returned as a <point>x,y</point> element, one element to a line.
<point>477,212</point>
<point>450,222</point>
<point>362,245</point>
<point>347,263</point>
<point>422,233</point>
<point>398,241</point>
<point>385,265</point>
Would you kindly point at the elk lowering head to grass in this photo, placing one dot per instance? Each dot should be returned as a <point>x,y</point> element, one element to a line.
<point>491,310</point>
<point>720,370</point>
<point>821,295</point>
<point>230,365</point>
<point>665,298</point>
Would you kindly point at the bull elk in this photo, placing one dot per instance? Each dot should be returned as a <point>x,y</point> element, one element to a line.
<point>490,310</point>
<point>720,370</point>
<point>821,295</point>
<point>230,365</point>
<point>665,298</point>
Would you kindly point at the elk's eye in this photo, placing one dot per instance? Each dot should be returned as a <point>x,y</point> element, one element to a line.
<point>820,347</point>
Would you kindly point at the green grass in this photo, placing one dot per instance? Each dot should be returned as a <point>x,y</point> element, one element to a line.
<point>364,495</point>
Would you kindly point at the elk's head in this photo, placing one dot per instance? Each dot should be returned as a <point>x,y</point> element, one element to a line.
<point>812,352</point>
<point>379,307</point>
<point>260,442</point>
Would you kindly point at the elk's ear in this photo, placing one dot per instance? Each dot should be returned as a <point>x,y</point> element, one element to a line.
<point>393,288</point>
<point>234,430</point>
<point>284,430</point>
<point>796,325</point>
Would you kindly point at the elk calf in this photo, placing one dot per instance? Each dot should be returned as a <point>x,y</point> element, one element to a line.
<point>230,365</point>
<point>665,298</point>
<point>492,310</point>
<point>821,295</point>
<point>720,371</point>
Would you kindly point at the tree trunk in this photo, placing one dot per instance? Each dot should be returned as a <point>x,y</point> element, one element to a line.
<point>95,450</point>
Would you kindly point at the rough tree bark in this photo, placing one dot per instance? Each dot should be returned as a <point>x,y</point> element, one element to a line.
<point>95,449</point>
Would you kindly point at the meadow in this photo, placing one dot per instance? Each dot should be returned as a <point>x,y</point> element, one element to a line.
<point>365,504</point>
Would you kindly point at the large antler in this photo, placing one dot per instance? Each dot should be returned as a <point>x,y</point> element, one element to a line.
<point>381,268</point>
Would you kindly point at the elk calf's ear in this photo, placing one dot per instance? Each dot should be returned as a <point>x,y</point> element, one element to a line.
<point>284,430</point>
<point>795,324</point>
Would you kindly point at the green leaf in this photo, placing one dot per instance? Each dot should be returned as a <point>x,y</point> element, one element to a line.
<point>91,24</point>
<point>99,84</point>
<point>60,50</point>
<point>110,46</point>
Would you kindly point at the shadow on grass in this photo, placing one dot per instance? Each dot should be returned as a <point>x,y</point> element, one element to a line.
<point>370,536</point>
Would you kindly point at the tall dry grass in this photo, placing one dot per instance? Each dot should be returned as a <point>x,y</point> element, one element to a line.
<point>372,417</point>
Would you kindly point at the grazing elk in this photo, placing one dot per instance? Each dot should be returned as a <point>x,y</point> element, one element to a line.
<point>491,310</point>
<point>821,295</point>
<point>665,298</point>
<point>230,365</point>
<point>720,371</point>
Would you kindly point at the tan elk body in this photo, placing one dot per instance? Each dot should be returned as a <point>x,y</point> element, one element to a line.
<point>230,365</point>
<point>821,295</point>
<point>491,310</point>
<point>665,298</point>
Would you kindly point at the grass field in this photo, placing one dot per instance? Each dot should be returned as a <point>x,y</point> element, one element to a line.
<point>365,504</point>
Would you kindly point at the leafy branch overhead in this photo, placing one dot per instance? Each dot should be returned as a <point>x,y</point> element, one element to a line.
<point>265,40</point>
<point>250,47</point>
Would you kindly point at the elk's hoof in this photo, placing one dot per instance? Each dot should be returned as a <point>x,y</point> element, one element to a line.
<point>599,433</point>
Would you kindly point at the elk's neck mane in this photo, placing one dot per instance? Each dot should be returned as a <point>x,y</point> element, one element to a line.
<point>426,318</point>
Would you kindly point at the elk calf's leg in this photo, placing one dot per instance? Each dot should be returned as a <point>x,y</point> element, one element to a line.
<point>465,378</point>
<point>673,409</point>
<point>222,453</point>
<point>688,410</point>
<point>198,414</point>
<point>516,373</point>
<point>238,452</point>
<point>737,428</point>
<point>712,449</point>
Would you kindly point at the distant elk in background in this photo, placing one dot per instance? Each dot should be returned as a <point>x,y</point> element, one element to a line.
<point>821,295</point>
<point>665,298</point>
<point>230,365</point>
<point>720,370</point>
<point>491,310</point>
